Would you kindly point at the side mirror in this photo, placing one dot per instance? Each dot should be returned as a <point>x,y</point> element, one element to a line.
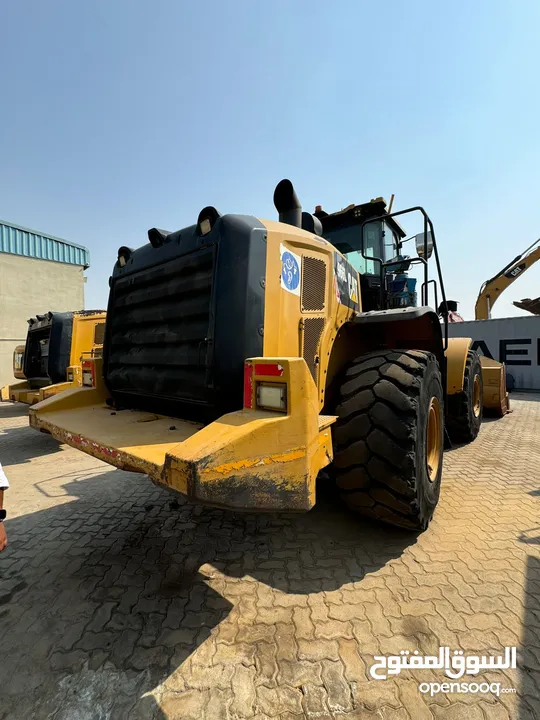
<point>424,247</point>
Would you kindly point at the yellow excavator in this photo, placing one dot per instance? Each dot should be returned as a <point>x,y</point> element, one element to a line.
<point>51,360</point>
<point>492,289</point>
<point>242,356</point>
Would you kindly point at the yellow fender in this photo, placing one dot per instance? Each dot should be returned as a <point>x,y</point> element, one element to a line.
<point>456,359</point>
<point>495,397</point>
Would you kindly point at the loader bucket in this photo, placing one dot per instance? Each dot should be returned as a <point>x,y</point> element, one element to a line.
<point>496,400</point>
<point>19,392</point>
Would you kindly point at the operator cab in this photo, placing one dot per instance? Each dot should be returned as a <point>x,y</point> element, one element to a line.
<point>381,240</point>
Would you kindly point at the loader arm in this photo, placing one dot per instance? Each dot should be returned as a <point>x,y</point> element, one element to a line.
<point>492,289</point>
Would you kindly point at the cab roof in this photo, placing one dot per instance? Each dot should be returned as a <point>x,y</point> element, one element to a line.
<point>356,214</point>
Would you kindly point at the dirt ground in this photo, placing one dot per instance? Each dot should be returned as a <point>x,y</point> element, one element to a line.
<point>120,600</point>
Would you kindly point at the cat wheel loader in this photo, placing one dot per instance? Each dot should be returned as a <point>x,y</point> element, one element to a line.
<point>243,356</point>
<point>51,360</point>
<point>18,362</point>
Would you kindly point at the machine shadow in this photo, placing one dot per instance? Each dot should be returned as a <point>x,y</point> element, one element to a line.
<point>314,552</point>
<point>21,444</point>
<point>13,410</point>
<point>529,396</point>
<point>105,593</point>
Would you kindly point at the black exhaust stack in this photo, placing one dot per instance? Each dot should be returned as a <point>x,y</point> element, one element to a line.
<point>287,204</point>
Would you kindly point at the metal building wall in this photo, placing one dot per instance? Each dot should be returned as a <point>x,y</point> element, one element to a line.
<point>38,273</point>
<point>18,240</point>
<point>29,286</point>
<point>514,341</point>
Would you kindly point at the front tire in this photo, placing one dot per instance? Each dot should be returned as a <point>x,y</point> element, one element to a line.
<point>464,409</point>
<point>388,439</point>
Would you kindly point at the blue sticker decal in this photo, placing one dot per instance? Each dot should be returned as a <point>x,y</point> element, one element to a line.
<point>290,272</point>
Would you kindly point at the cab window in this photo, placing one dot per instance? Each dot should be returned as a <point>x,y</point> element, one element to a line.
<point>390,242</point>
<point>379,242</point>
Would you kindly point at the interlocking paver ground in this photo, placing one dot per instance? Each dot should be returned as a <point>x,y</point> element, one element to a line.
<point>119,600</point>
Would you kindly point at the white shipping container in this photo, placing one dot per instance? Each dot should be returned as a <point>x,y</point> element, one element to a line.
<point>514,341</point>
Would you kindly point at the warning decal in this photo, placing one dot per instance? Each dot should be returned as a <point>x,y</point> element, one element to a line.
<point>290,270</point>
<point>346,282</point>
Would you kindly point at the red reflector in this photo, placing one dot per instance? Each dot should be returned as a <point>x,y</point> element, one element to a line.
<point>248,386</point>
<point>270,370</point>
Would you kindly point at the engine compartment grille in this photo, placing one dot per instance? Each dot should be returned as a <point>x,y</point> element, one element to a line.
<point>159,330</point>
<point>313,284</point>
<point>313,328</point>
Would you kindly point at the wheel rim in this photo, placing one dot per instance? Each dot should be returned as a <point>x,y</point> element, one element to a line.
<point>477,398</point>
<point>434,443</point>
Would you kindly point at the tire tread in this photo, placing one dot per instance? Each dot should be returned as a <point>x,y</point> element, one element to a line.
<point>459,421</point>
<point>374,438</point>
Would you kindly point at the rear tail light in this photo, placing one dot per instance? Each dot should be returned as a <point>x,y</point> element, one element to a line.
<point>88,373</point>
<point>262,394</point>
<point>272,397</point>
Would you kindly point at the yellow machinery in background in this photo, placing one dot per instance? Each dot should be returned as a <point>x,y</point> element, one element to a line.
<point>496,400</point>
<point>51,360</point>
<point>492,289</point>
<point>18,362</point>
<point>242,356</point>
<point>528,304</point>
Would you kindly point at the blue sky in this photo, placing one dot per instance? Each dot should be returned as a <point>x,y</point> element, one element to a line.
<point>122,115</point>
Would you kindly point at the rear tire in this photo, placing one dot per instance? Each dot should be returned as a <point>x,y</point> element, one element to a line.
<point>390,422</point>
<point>464,409</point>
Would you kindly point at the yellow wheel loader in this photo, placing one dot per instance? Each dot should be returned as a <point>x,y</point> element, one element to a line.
<point>243,356</point>
<point>18,362</point>
<point>51,360</point>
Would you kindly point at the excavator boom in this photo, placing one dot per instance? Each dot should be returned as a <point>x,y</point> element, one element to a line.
<point>492,289</point>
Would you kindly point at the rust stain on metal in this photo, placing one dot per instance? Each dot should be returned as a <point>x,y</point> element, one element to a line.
<point>278,458</point>
<point>111,455</point>
<point>90,446</point>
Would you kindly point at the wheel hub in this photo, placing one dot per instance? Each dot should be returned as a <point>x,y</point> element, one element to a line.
<point>434,443</point>
<point>477,399</point>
